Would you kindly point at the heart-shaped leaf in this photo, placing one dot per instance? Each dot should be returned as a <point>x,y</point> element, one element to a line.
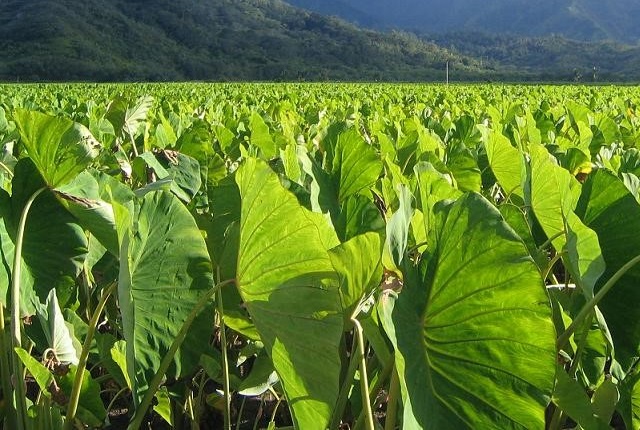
<point>475,345</point>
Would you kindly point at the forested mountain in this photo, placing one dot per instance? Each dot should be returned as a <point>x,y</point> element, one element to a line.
<point>234,40</point>
<point>549,58</point>
<point>574,19</point>
<point>205,40</point>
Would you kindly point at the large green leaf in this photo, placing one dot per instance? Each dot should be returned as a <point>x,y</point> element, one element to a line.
<point>127,118</point>
<point>570,396</point>
<point>475,345</point>
<point>398,230</point>
<point>54,247</point>
<point>260,136</point>
<point>91,409</point>
<point>554,193</point>
<point>59,147</point>
<point>88,198</point>
<point>358,263</point>
<point>630,400</point>
<point>608,207</point>
<point>358,215</point>
<point>288,283</point>
<point>59,338</point>
<point>164,270</point>
<point>507,163</point>
<point>355,165</point>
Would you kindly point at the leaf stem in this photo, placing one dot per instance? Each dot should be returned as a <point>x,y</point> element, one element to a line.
<point>115,397</point>
<point>5,358</point>
<point>225,361</point>
<point>364,379</point>
<point>16,340</point>
<point>6,169</point>
<point>382,378</point>
<point>591,304</point>
<point>556,419</point>
<point>341,404</point>
<point>275,409</point>
<point>392,401</point>
<point>74,399</point>
<point>552,263</point>
<point>142,409</point>
<point>550,240</point>
<point>239,420</point>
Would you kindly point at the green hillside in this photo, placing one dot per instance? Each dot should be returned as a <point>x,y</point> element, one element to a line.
<point>588,20</point>
<point>547,58</point>
<point>160,40</point>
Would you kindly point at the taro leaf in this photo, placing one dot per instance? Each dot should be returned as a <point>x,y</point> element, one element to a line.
<point>552,196</point>
<point>54,247</point>
<point>569,396</point>
<point>164,270</point>
<point>432,187</point>
<point>163,405</point>
<point>127,119</point>
<point>554,193</point>
<point>604,400</point>
<point>323,192</point>
<point>40,373</point>
<point>460,320</point>
<point>596,350</point>
<point>91,410</point>
<point>464,168</point>
<point>184,173</point>
<point>260,136</point>
<point>398,230</point>
<point>261,378</point>
<point>507,163</point>
<point>60,148</point>
<point>224,205</point>
<point>358,263</point>
<point>608,207</point>
<point>517,219</point>
<point>88,198</point>
<point>629,404</point>
<point>584,253</point>
<point>358,215</point>
<point>222,239</point>
<point>58,335</point>
<point>112,353</point>
<point>355,165</point>
<point>289,287</point>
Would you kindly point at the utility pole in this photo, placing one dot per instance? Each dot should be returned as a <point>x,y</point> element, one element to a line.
<point>447,72</point>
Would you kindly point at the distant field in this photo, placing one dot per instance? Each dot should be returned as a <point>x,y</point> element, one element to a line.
<point>320,256</point>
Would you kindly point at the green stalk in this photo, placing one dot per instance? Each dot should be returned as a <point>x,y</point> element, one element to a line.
<point>588,308</point>
<point>74,399</point>
<point>550,240</point>
<point>239,420</point>
<point>6,169</point>
<point>115,397</point>
<point>225,363</point>
<point>552,263</point>
<point>382,378</point>
<point>16,340</point>
<point>5,359</point>
<point>343,397</point>
<point>141,410</point>
<point>556,420</point>
<point>275,410</point>
<point>364,379</point>
<point>392,402</point>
